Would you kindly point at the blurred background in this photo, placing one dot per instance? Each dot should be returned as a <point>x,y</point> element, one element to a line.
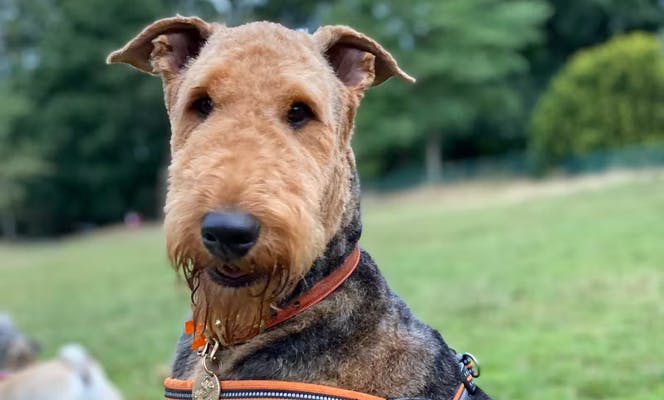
<point>514,196</point>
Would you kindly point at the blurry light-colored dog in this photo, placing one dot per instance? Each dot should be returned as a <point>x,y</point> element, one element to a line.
<point>73,375</point>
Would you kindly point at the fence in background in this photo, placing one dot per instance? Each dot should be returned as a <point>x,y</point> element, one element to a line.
<point>519,165</point>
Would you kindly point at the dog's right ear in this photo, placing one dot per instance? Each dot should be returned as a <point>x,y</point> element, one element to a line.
<point>358,61</point>
<point>165,46</point>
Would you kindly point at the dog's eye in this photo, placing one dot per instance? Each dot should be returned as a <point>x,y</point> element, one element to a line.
<point>203,106</point>
<point>298,115</point>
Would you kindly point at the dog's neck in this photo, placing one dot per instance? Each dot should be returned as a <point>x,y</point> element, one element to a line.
<point>338,249</point>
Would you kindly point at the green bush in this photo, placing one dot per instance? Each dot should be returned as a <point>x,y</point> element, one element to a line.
<point>606,96</point>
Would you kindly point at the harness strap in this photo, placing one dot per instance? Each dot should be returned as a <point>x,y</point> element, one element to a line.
<point>461,393</point>
<point>177,389</point>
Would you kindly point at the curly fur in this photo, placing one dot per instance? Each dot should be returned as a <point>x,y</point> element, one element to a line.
<point>302,185</point>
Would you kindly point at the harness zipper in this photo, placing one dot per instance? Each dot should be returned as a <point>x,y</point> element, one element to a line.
<point>257,394</point>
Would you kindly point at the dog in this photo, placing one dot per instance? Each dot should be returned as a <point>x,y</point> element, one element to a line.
<point>73,375</point>
<point>262,216</point>
<point>17,351</point>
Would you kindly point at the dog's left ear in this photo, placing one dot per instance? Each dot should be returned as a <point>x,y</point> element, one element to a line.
<point>358,61</point>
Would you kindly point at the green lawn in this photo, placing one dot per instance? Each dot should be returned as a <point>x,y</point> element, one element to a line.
<point>559,296</point>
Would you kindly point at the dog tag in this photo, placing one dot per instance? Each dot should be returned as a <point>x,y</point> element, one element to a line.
<point>206,387</point>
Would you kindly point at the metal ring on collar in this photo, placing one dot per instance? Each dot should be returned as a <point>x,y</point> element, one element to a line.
<point>475,367</point>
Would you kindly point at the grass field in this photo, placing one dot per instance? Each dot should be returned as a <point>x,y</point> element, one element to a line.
<point>560,294</point>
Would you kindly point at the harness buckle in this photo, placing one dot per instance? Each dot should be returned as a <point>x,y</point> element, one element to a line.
<point>471,363</point>
<point>470,368</point>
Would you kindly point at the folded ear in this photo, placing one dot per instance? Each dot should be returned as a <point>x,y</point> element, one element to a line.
<point>359,61</point>
<point>165,46</point>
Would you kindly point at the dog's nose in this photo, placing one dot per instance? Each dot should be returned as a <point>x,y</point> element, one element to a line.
<point>229,235</point>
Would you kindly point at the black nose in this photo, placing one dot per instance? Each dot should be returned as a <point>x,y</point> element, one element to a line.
<point>229,235</point>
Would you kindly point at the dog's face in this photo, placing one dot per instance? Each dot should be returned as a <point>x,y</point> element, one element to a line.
<point>21,353</point>
<point>261,120</point>
<point>16,350</point>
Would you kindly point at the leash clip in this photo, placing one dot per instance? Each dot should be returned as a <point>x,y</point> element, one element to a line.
<point>209,350</point>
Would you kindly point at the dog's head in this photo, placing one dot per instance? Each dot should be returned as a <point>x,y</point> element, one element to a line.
<point>259,182</point>
<point>16,350</point>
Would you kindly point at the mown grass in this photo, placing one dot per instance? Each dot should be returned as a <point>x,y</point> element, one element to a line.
<point>560,297</point>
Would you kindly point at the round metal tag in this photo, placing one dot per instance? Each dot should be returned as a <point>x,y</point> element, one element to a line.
<point>206,387</point>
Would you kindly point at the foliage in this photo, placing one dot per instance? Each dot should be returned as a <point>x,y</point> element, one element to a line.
<point>577,24</point>
<point>607,96</point>
<point>535,287</point>
<point>18,163</point>
<point>463,54</point>
<point>105,145</point>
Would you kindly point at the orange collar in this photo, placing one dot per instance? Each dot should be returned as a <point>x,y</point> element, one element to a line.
<point>317,292</point>
<point>304,301</point>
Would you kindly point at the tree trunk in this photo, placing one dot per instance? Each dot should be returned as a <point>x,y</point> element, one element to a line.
<point>433,158</point>
<point>8,224</point>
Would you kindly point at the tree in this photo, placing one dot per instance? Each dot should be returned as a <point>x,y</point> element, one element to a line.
<point>577,24</point>
<point>607,96</point>
<point>18,164</point>
<point>464,54</point>
<point>104,145</point>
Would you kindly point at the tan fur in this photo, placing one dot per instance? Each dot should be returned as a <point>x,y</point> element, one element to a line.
<point>60,379</point>
<point>245,155</point>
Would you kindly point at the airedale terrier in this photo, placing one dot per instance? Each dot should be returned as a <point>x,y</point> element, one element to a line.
<point>262,215</point>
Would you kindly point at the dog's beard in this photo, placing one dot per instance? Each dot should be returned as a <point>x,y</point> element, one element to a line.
<point>235,315</point>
